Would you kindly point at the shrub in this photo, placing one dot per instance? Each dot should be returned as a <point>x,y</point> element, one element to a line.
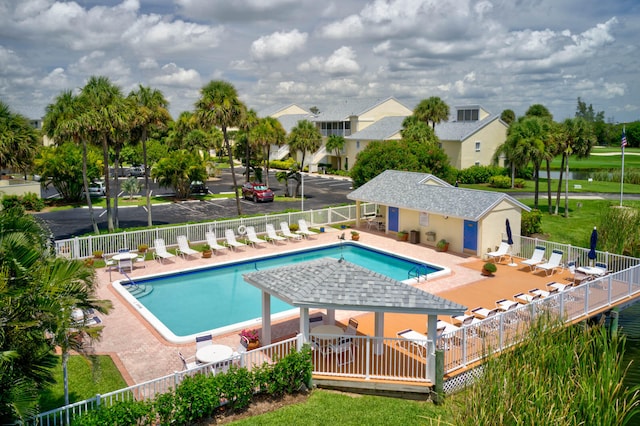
<point>518,183</point>
<point>282,164</point>
<point>500,182</point>
<point>11,201</point>
<point>490,267</point>
<point>32,202</point>
<point>479,174</point>
<point>531,222</point>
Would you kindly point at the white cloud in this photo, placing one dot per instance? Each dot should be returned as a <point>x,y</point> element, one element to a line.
<point>342,61</point>
<point>172,75</point>
<point>278,45</point>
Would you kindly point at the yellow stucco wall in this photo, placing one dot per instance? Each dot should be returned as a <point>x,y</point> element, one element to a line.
<point>493,229</point>
<point>389,108</point>
<point>290,110</point>
<point>463,154</point>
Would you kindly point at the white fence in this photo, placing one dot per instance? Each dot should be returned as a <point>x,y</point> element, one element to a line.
<point>83,247</point>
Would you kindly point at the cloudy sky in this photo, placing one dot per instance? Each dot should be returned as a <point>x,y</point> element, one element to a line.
<point>497,53</point>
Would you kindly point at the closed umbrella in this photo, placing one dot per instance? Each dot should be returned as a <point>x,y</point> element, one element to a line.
<point>510,242</point>
<point>594,242</point>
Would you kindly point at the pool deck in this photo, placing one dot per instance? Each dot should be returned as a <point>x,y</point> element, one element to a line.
<point>142,354</point>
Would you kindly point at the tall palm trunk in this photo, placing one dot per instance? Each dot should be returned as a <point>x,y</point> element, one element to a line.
<point>85,182</point>
<point>564,155</point>
<point>549,186</point>
<point>233,170</point>
<point>107,183</point>
<point>266,165</point>
<point>116,174</point>
<point>146,177</point>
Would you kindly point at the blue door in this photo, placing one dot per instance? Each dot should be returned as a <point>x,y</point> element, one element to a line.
<point>470,236</point>
<point>392,222</point>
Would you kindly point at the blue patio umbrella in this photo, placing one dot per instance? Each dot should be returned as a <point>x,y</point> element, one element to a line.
<point>509,235</point>
<point>594,242</point>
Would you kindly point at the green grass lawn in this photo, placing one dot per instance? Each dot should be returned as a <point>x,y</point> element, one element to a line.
<point>331,408</point>
<point>84,381</point>
<point>599,161</point>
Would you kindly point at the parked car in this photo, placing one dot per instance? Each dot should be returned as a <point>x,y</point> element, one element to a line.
<point>137,171</point>
<point>257,191</point>
<point>198,187</point>
<point>97,189</point>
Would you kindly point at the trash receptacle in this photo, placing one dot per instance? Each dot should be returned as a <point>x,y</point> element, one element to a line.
<point>414,237</point>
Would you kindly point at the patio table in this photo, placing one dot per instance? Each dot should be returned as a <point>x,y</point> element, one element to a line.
<point>213,353</point>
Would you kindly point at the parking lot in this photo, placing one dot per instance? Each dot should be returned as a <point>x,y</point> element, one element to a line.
<point>319,190</point>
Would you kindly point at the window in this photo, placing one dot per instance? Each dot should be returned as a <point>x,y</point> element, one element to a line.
<point>477,146</point>
<point>468,114</point>
<point>357,144</point>
<point>477,163</point>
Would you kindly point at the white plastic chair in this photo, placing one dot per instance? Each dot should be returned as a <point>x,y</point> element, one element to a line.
<point>501,253</point>
<point>213,241</point>
<point>272,235</point>
<point>304,229</point>
<point>231,240</point>
<point>252,237</point>
<point>284,227</point>
<point>160,251</point>
<point>183,247</point>
<point>553,263</point>
<point>536,258</point>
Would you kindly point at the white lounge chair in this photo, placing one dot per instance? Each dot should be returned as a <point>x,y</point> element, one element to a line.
<point>286,232</point>
<point>501,253</point>
<point>445,337</point>
<point>272,235</point>
<point>553,263</point>
<point>482,313</point>
<point>536,258</point>
<point>525,298</point>
<point>507,305</point>
<point>417,341</point>
<point>252,237</point>
<point>160,251</point>
<point>183,247</point>
<point>213,241</point>
<point>231,240</point>
<point>304,229</point>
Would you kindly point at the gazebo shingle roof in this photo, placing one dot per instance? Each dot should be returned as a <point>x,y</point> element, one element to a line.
<point>338,284</point>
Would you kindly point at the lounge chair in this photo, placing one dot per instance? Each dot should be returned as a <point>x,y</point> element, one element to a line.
<point>417,341</point>
<point>252,237</point>
<point>445,338</point>
<point>231,240</point>
<point>160,251</point>
<point>536,258</point>
<point>578,277</point>
<point>501,253</point>
<point>554,263</point>
<point>272,235</point>
<point>557,286</point>
<point>466,319</point>
<point>286,232</point>
<point>507,305</point>
<point>183,247</point>
<point>542,293</point>
<point>304,229</point>
<point>213,241</point>
<point>482,313</point>
<point>525,298</point>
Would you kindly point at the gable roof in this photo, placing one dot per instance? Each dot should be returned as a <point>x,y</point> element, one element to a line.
<point>461,130</point>
<point>290,121</point>
<point>426,193</point>
<point>338,284</point>
<point>275,109</point>
<point>381,130</point>
<point>342,110</point>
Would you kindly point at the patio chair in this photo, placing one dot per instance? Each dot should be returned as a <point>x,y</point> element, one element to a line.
<point>304,229</point>
<point>204,340</point>
<point>604,267</point>
<point>542,293</point>
<point>552,265</point>
<point>183,247</point>
<point>577,276</point>
<point>286,232</point>
<point>482,313</point>
<point>140,258</point>
<point>507,305</point>
<point>313,321</point>
<point>213,241</point>
<point>465,319</point>
<point>525,298</point>
<point>252,237</point>
<point>160,252</point>
<point>502,252</point>
<point>557,286</point>
<point>343,351</point>
<point>188,363</point>
<point>536,258</point>
<point>272,235</point>
<point>445,337</point>
<point>125,264</point>
<point>231,239</point>
<point>352,327</point>
<point>417,341</point>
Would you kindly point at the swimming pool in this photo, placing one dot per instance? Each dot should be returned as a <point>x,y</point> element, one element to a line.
<point>216,299</point>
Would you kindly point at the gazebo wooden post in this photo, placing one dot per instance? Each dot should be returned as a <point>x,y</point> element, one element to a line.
<point>432,332</point>
<point>266,318</point>
<point>379,333</point>
<point>331,316</point>
<point>304,323</point>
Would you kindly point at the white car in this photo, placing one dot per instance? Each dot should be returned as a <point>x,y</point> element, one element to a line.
<point>97,189</point>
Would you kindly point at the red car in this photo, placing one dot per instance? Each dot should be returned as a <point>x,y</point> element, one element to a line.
<point>257,191</point>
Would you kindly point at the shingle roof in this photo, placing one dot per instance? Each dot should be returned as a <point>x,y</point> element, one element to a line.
<point>338,284</point>
<point>461,130</point>
<point>290,121</point>
<point>381,130</point>
<point>342,110</point>
<point>409,190</point>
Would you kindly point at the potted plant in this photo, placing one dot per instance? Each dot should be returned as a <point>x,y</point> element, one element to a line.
<point>403,236</point>
<point>97,254</point>
<point>249,338</point>
<point>206,251</point>
<point>142,248</point>
<point>355,235</point>
<point>442,245</point>
<point>488,269</point>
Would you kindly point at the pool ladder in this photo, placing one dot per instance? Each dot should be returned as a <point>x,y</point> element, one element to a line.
<point>418,271</point>
<point>133,287</point>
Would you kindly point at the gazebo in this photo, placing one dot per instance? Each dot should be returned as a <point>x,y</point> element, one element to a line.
<point>332,284</point>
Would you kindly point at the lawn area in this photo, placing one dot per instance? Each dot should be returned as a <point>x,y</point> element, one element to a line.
<point>327,407</point>
<point>84,381</point>
<point>602,158</point>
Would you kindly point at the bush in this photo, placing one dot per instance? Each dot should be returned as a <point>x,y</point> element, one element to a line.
<point>531,222</point>
<point>10,201</point>
<point>500,182</point>
<point>479,174</point>
<point>282,164</point>
<point>518,183</point>
<point>32,202</point>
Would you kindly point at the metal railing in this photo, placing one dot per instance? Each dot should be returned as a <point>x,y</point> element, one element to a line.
<point>148,390</point>
<point>83,247</point>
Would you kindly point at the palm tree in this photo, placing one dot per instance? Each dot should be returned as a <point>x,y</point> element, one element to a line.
<point>244,136</point>
<point>336,143</point>
<point>18,140</point>
<point>433,110</point>
<point>151,114</point>
<point>61,122</point>
<point>220,106</point>
<point>304,137</point>
<point>418,131</point>
<point>268,131</point>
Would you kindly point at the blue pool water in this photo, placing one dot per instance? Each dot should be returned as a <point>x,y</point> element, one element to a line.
<point>188,303</point>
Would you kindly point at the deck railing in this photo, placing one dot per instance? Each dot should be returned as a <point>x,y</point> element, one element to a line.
<point>148,390</point>
<point>83,247</point>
